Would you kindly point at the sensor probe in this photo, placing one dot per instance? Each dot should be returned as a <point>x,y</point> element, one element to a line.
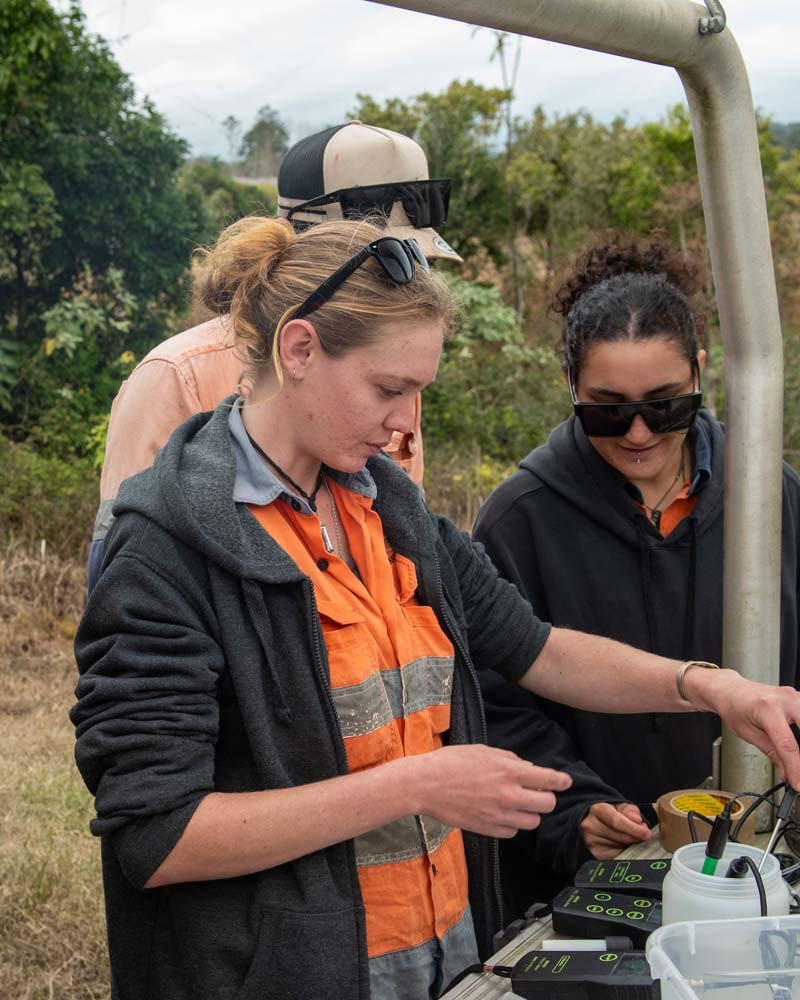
<point>784,809</point>
<point>717,839</point>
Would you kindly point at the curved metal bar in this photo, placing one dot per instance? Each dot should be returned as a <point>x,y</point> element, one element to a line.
<point>716,21</point>
<point>713,74</point>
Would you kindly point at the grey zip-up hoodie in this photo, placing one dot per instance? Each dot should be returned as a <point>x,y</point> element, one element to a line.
<point>203,668</point>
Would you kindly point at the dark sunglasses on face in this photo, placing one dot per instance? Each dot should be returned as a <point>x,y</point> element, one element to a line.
<point>425,202</point>
<point>398,258</point>
<point>662,416</point>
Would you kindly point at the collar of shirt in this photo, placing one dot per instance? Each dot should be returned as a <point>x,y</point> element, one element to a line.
<point>256,483</point>
<point>701,448</point>
<point>700,440</point>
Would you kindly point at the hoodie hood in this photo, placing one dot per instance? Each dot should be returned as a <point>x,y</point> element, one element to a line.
<point>188,492</point>
<point>569,465</point>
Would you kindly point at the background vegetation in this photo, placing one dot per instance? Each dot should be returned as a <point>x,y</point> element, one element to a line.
<point>100,208</point>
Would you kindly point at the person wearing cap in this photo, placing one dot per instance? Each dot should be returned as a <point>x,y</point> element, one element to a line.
<point>346,171</point>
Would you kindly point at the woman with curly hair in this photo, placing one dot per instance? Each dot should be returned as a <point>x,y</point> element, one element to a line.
<point>615,525</point>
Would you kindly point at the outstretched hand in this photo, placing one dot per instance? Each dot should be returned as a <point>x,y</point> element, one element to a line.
<point>485,789</point>
<point>608,828</point>
<point>762,714</point>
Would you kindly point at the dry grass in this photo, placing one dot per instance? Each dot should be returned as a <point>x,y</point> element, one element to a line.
<point>52,926</point>
<point>52,943</point>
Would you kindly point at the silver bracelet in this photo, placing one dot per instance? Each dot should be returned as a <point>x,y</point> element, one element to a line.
<point>682,673</point>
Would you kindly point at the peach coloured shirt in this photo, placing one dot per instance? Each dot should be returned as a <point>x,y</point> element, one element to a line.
<point>187,374</point>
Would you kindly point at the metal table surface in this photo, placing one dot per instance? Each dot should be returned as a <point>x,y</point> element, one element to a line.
<point>485,986</point>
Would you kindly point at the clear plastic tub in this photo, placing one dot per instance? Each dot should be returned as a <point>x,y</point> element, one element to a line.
<point>757,958</point>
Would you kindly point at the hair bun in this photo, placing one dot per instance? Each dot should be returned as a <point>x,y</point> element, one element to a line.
<point>626,254</point>
<point>244,256</point>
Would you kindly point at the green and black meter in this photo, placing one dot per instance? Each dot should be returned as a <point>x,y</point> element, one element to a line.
<point>584,975</point>
<point>595,913</point>
<point>631,877</point>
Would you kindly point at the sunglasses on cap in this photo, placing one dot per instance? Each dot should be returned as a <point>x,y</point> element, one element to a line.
<point>662,416</point>
<point>424,202</point>
<point>398,258</point>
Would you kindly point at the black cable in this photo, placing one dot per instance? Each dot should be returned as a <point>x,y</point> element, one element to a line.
<point>478,967</point>
<point>789,938</point>
<point>691,816</point>
<point>780,986</point>
<point>790,867</point>
<point>791,835</point>
<point>762,896</point>
<point>504,971</point>
<point>534,912</point>
<point>757,800</point>
<point>736,869</point>
<point>746,795</point>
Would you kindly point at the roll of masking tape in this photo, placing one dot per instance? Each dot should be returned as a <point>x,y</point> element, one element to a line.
<point>673,808</point>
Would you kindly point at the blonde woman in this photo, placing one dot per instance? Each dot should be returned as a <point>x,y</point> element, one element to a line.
<point>278,710</point>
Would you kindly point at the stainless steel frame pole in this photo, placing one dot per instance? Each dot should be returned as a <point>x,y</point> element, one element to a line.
<point>713,74</point>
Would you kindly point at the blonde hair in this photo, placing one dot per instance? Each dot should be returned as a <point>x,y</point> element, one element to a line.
<point>260,271</point>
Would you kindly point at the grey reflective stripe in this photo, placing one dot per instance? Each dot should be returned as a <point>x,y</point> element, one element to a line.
<point>363,708</point>
<point>103,520</point>
<point>400,841</point>
<point>423,972</point>
<point>393,694</point>
<point>424,682</point>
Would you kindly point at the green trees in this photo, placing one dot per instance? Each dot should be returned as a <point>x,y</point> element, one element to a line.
<point>495,392</point>
<point>264,144</point>
<point>456,129</point>
<point>527,193</point>
<point>220,198</point>
<point>89,205</point>
<point>100,210</point>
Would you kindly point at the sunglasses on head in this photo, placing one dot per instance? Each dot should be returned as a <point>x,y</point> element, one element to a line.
<point>425,202</point>
<point>398,258</point>
<point>662,416</point>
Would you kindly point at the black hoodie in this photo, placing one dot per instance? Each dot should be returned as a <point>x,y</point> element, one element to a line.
<point>566,532</point>
<point>203,668</point>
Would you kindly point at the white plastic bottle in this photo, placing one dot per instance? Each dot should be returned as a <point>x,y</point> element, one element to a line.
<point>691,895</point>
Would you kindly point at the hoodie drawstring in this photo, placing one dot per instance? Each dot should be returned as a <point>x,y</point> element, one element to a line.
<point>644,565</point>
<point>691,590</point>
<point>254,599</point>
<point>646,572</point>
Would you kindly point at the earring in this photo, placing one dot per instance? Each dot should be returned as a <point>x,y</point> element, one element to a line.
<point>294,374</point>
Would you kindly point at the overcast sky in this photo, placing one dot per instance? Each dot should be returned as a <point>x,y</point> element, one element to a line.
<point>201,61</point>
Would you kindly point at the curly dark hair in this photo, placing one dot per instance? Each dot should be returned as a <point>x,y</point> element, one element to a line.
<point>628,288</point>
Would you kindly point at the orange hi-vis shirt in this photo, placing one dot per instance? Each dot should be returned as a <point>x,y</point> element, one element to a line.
<point>680,507</point>
<point>391,671</point>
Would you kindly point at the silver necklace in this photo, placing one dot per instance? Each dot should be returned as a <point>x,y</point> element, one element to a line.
<point>326,538</point>
<point>655,513</point>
